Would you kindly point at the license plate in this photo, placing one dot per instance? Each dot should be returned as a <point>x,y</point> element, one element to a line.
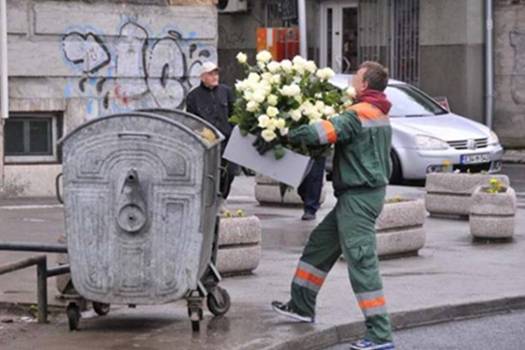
<point>475,158</point>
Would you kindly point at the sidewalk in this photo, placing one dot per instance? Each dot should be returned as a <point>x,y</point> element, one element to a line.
<point>449,272</point>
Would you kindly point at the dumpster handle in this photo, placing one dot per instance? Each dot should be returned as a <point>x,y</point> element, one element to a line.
<point>134,134</point>
<point>57,188</point>
<point>214,194</point>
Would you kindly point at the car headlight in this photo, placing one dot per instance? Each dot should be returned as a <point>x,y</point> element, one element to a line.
<point>430,143</point>
<point>493,139</point>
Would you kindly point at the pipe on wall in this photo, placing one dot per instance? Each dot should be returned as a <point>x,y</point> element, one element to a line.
<point>489,63</point>
<point>4,97</point>
<point>303,44</point>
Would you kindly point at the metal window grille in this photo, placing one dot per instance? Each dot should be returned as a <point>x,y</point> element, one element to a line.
<point>389,34</point>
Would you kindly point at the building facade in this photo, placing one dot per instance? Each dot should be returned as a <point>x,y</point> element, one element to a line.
<point>71,61</point>
<point>437,45</point>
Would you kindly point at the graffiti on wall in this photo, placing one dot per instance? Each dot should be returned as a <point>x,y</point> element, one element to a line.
<point>517,41</point>
<point>132,70</point>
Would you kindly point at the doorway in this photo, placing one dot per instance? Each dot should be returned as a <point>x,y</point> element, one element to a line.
<point>339,29</point>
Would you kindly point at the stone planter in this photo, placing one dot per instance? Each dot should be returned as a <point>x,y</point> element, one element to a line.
<point>492,215</point>
<point>400,228</point>
<point>450,194</point>
<point>239,245</point>
<point>267,192</point>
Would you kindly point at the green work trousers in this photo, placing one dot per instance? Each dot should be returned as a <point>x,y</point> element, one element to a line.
<point>348,229</point>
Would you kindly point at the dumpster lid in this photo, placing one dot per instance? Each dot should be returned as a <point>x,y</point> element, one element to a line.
<point>203,141</point>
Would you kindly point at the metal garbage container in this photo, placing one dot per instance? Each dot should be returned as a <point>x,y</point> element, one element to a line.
<point>140,195</point>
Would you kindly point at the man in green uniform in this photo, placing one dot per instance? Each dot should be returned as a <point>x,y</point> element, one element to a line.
<point>362,137</point>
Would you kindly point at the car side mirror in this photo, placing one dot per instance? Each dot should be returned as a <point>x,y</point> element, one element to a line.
<point>443,102</point>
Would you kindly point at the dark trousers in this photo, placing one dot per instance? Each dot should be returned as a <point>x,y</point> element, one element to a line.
<point>312,185</point>
<point>228,172</point>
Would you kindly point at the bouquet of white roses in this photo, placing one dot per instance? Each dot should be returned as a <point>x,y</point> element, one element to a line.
<point>276,97</point>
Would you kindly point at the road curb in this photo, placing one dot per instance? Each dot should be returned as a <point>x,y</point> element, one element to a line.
<point>317,340</point>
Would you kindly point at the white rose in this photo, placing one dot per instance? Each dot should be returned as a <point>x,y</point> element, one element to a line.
<point>330,73</point>
<point>261,65</point>
<point>241,57</point>
<point>267,76</point>
<point>268,135</point>
<point>319,105</point>
<point>307,108</point>
<point>271,125</point>
<point>240,86</point>
<point>325,73</point>
<point>286,65</point>
<point>283,131</point>
<point>351,92</point>
<point>291,90</point>
<point>272,100</point>
<point>272,111</point>
<point>274,67</point>
<point>264,56</point>
<point>329,111</point>
<point>264,121</point>
<point>252,106</point>
<point>315,115</point>
<point>248,95</point>
<point>266,87</point>
<point>280,123</point>
<point>276,79</point>
<point>296,114</point>
<point>310,66</point>
<point>254,77</point>
<point>259,96</point>
<point>298,60</point>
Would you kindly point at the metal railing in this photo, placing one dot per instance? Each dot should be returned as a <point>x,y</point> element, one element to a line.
<point>42,273</point>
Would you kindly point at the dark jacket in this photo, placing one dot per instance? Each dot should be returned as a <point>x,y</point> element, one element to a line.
<point>213,105</point>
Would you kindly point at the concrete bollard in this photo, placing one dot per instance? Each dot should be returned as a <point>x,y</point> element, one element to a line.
<point>492,215</point>
<point>239,245</point>
<point>449,194</point>
<point>267,192</point>
<point>399,228</point>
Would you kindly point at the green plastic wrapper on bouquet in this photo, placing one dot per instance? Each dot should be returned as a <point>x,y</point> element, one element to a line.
<point>290,169</point>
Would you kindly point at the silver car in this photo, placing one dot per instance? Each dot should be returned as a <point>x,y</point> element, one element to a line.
<point>428,138</point>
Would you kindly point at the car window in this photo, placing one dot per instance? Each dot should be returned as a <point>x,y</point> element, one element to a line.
<point>408,101</point>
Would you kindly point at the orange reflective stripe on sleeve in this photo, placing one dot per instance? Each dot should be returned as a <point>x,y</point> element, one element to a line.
<point>331,135</point>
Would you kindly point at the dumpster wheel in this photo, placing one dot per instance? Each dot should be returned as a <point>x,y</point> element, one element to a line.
<point>73,316</point>
<point>218,301</point>
<point>102,309</point>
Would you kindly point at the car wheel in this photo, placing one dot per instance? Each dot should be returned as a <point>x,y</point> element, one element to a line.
<point>396,177</point>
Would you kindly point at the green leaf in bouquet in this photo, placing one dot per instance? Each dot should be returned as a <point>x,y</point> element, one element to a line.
<point>279,152</point>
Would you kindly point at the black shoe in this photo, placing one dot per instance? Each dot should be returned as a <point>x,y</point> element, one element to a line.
<point>308,216</point>
<point>286,310</point>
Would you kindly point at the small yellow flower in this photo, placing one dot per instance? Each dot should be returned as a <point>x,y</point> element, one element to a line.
<point>240,213</point>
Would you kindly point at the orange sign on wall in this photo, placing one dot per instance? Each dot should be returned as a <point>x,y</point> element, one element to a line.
<point>283,43</point>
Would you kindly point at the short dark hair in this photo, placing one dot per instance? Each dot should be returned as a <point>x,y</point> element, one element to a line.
<point>376,75</point>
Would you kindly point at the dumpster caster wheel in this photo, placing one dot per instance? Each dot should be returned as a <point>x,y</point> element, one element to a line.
<point>73,316</point>
<point>102,309</point>
<point>218,301</point>
<point>195,326</point>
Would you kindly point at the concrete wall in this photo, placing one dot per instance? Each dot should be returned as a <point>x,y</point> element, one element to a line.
<point>452,60</point>
<point>509,35</point>
<point>89,59</point>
